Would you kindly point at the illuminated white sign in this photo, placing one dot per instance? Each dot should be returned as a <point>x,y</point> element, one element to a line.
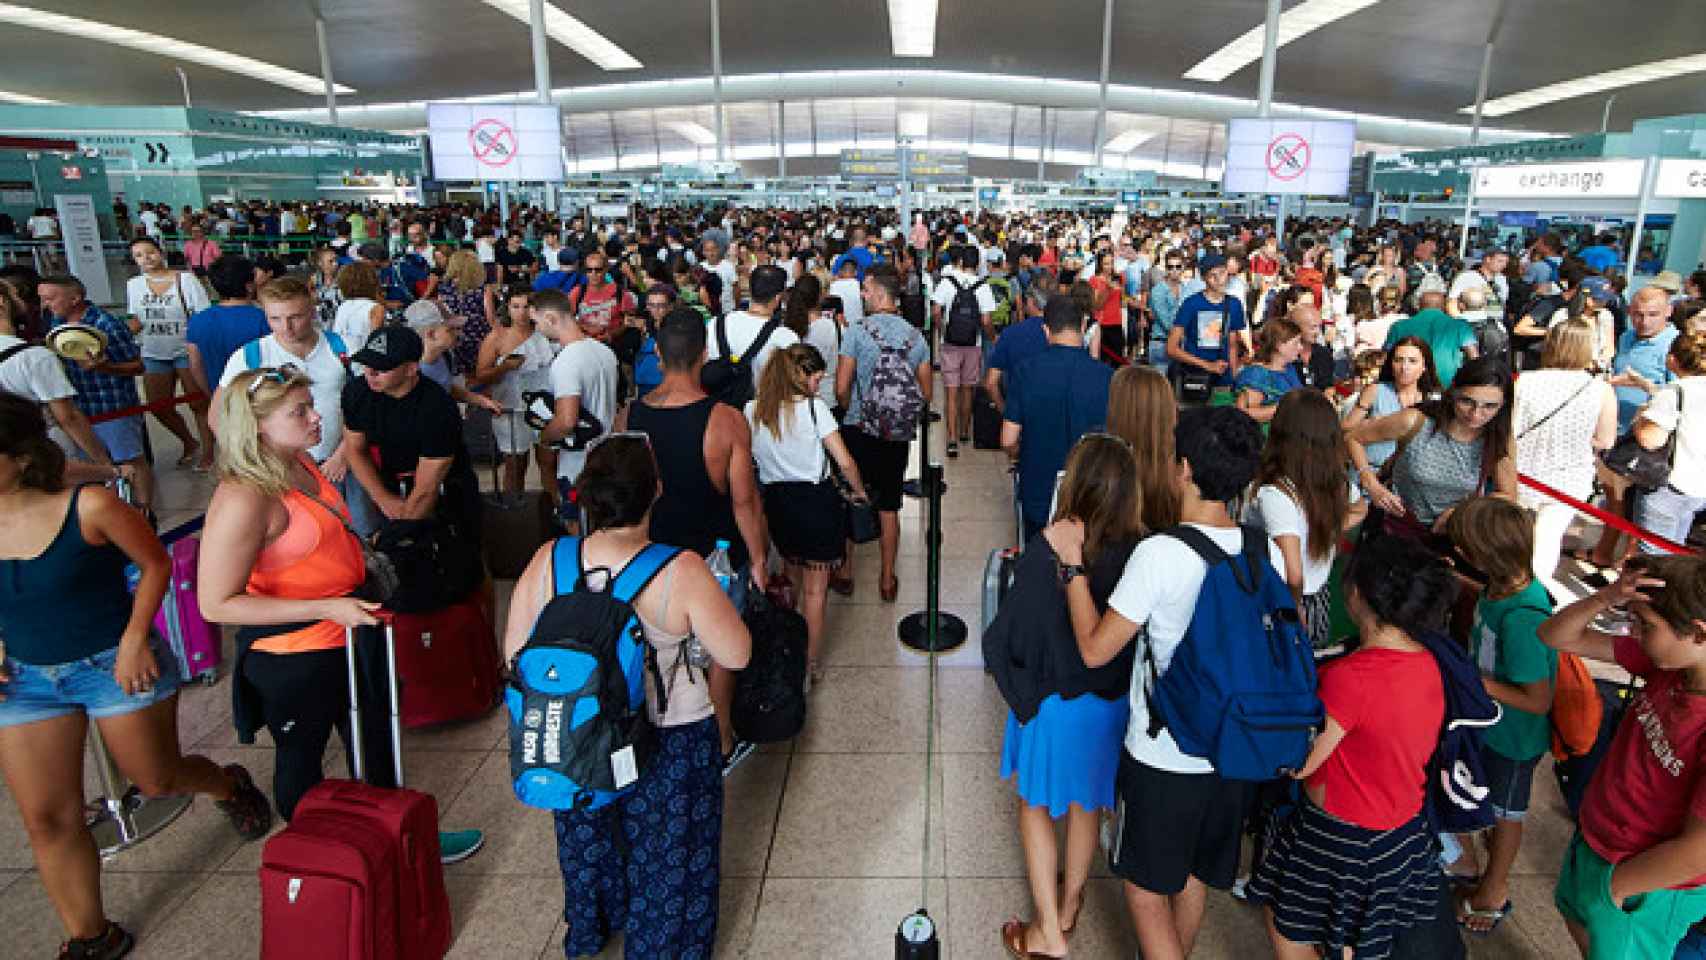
<point>1600,179</point>
<point>495,141</point>
<point>1681,178</point>
<point>1289,156</point>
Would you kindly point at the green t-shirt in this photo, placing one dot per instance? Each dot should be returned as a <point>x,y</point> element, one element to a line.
<point>1505,643</point>
<point>1445,335</point>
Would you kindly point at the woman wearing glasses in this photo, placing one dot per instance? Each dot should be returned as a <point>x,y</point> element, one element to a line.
<point>1448,450</point>
<point>79,647</point>
<point>658,886</point>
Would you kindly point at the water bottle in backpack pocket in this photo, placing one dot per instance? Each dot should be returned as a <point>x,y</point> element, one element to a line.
<point>580,735</point>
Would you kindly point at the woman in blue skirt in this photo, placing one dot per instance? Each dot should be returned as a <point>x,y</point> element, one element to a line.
<point>1065,754</point>
<point>647,864</point>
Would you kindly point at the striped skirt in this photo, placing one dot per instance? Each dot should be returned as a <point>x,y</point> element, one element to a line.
<point>1337,885</point>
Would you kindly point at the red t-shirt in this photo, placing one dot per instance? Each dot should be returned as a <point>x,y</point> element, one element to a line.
<point>1650,780</point>
<point>1264,265</point>
<point>1112,313</point>
<point>1391,705</point>
<point>599,311</point>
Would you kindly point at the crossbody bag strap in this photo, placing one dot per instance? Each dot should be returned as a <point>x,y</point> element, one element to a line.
<point>811,405</point>
<point>1536,425</point>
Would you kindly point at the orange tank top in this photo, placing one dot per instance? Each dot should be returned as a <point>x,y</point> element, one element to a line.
<point>315,558</point>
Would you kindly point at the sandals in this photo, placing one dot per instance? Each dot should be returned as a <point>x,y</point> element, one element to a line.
<point>1466,912</point>
<point>842,585</point>
<point>248,809</point>
<point>1013,938</point>
<point>110,944</point>
<point>191,449</point>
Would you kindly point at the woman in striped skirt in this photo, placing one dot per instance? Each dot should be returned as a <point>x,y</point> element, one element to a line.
<point>1354,864</point>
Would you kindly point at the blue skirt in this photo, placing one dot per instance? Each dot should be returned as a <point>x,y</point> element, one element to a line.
<point>1068,753</point>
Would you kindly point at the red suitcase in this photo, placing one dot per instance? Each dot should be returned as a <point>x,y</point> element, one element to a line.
<point>448,662</point>
<point>356,874</point>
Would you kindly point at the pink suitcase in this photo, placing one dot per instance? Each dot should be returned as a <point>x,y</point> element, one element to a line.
<point>194,641</point>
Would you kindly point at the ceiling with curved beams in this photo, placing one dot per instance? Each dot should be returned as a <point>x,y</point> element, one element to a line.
<point>1400,58</point>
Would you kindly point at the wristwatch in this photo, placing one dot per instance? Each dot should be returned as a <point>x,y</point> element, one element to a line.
<point>1068,571</point>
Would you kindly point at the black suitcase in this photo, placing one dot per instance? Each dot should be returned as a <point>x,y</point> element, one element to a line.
<point>985,422</point>
<point>513,525</point>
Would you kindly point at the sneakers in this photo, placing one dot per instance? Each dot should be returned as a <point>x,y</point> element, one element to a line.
<point>248,810</point>
<point>109,944</point>
<point>455,846</point>
<point>742,749</point>
<point>953,449</point>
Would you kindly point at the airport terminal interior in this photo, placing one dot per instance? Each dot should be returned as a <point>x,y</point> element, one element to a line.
<point>949,478</point>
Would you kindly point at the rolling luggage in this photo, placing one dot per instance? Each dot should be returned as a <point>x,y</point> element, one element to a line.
<point>356,874</point>
<point>477,435</point>
<point>195,643</point>
<point>985,422</point>
<point>998,569</point>
<point>513,525</point>
<point>447,662</point>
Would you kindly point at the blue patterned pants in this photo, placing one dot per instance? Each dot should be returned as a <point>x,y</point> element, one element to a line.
<point>648,865</point>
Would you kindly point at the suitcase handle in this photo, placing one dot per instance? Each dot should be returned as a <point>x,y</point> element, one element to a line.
<point>357,751</point>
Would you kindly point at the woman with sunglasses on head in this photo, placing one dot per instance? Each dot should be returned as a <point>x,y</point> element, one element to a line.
<point>80,647</point>
<point>1063,756</point>
<point>1448,450</point>
<point>658,885</point>
<point>794,437</point>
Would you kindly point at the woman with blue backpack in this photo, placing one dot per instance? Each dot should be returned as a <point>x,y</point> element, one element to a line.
<point>642,858</point>
<point>1353,864</point>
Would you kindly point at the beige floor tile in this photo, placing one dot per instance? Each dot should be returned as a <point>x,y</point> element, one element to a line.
<point>752,798</point>
<point>1537,918</point>
<point>982,818</point>
<point>980,906</point>
<point>868,710</point>
<point>840,919</point>
<point>867,635</point>
<point>857,815</point>
<point>973,715</point>
<point>502,917</point>
<point>1230,929</point>
<point>219,919</point>
<point>520,841</point>
<point>480,734</point>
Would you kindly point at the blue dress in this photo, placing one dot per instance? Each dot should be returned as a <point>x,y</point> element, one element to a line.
<point>1271,384</point>
<point>1068,753</point>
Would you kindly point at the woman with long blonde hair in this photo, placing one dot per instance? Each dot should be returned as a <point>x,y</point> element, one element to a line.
<point>794,438</point>
<point>469,303</point>
<point>1141,409</point>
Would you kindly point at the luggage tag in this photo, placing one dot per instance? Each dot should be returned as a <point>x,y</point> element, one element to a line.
<point>623,769</point>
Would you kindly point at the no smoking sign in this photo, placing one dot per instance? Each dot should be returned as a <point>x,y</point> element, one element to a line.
<point>492,141</point>
<point>1288,156</point>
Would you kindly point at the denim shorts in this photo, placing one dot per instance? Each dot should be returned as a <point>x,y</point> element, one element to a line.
<point>86,685</point>
<point>167,365</point>
<point>121,437</point>
<point>1508,783</point>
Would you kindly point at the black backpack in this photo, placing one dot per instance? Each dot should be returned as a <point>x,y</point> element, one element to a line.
<point>770,698</point>
<point>728,377</point>
<point>965,318</point>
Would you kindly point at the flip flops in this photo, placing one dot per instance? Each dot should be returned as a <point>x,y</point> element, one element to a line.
<point>1466,912</point>
<point>1013,938</point>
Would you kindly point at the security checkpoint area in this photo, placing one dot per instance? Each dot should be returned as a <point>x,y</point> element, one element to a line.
<point>1127,478</point>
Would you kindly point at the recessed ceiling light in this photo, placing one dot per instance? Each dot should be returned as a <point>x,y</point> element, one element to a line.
<point>165,48</point>
<point>573,34</point>
<point>1127,141</point>
<point>7,96</point>
<point>1592,84</point>
<point>1306,17</point>
<point>698,133</point>
<point>912,123</point>
<point>912,27</point>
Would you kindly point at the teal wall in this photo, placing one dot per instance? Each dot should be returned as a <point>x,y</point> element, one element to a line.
<point>44,177</point>
<point>189,156</point>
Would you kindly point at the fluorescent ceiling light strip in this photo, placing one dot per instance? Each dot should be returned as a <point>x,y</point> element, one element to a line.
<point>1127,141</point>
<point>573,34</point>
<point>1594,83</point>
<point>164,48</point>
<point>696,132</point>
<point>912,27</point>
<point>7,96</point>
<point>1305,18</point>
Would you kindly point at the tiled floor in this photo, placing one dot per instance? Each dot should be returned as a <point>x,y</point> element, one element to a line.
<point>824,839</point>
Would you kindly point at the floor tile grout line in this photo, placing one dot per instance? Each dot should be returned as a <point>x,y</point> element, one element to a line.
<point>770,848</point>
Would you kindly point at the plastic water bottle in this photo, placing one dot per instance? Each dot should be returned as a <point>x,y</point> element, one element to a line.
<point>723,569</point>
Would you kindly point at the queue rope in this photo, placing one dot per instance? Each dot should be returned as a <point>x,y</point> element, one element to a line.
<point>1609,519</point>
<point>154,407</point>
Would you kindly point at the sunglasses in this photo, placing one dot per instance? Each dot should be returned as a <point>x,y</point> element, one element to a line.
<point>281,375</point>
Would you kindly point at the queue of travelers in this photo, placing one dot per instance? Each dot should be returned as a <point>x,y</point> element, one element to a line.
<point>1347,412</point>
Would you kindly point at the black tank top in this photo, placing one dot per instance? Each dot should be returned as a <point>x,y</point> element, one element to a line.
<point>692,512</point>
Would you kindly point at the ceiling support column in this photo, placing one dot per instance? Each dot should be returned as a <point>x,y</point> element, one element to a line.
<point>1102,97</point>
<point>717,72</point>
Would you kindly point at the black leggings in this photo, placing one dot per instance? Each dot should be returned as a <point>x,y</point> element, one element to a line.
<point>304,697</point>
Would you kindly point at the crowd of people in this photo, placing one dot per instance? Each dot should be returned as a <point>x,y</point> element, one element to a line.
<point>1348,408</point>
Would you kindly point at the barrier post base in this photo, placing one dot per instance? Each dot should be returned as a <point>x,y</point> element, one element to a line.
<point>127,821</point>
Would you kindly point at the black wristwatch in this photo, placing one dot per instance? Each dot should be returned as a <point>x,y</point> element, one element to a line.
<point>1068,571</point>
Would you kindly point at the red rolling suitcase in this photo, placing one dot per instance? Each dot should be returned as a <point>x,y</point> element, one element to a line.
<point>448,662</point>
<point>356,875</point>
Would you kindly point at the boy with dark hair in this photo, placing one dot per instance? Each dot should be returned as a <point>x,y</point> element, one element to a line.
<point>1178,824</point>
<point>219,331</point>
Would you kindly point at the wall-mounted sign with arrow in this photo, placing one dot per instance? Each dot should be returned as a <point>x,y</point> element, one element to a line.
<point>157,152</point>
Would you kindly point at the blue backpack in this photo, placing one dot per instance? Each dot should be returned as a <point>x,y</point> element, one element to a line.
<point>1240,690</point>
<point>648,369</point>
<point>1457,782</point>
<point>579,733</point>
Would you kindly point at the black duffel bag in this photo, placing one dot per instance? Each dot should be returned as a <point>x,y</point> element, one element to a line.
<point>770,696</point>
<point>435,564</point>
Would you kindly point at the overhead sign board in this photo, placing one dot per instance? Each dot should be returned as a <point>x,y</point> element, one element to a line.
<point>922,165</point>
<point>1289,156</point>
<point>495,141</point>
<point>1680,178</point>
<point>1597,179</point>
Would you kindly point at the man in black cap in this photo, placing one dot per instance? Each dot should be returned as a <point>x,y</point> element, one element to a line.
<point>422,467</point>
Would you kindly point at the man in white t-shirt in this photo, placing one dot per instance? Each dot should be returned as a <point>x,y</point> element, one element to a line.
<point>718,264</point>
<point>846,286</point>
<point>962,362</point>
<point>743,326</point>
<point>35,373</point>
<point>1489,275</point>
<point>583,387</point>
<point>149,220</point>
<point>1163,793</point>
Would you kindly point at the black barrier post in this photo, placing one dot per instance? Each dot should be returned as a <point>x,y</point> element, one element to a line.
<point>930,630</point>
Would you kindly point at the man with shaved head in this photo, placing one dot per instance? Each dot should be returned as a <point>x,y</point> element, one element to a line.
<point>1638,371</point>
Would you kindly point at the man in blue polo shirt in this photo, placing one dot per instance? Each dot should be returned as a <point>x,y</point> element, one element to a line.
<point>1018,343</point>
<point>1639,367</point>
<point>1055,398</point>
<point>1209,332</point>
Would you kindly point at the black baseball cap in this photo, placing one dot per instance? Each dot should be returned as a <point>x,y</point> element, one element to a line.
<point>389,348</point>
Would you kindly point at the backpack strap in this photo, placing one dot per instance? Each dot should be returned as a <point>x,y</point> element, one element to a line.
<point>641,570</point>
<point>566,564</point>
<point>252,354</point>
<point>13,351</point>
<point>339,347</point>
<point>764,334</point>
<point>723,340</point>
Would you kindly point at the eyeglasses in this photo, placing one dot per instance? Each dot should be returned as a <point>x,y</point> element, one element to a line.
<point>1175,266</point>
<point>1102,435</point>
<point>281,375</point>
<point>639,435</point>
<point>1470,404</point>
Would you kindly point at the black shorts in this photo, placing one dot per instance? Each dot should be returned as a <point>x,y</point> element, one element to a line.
<point>1113,345</point>
<point>808,521</point>
<point>882,465</point>
<point>1169,827</point>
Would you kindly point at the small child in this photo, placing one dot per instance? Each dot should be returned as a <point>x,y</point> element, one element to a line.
<point>1365,370</point>
<point>1497,538</point>
<point>1632,881</point>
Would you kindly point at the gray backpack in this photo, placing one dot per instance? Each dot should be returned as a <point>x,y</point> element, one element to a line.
<point>889,409</point>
